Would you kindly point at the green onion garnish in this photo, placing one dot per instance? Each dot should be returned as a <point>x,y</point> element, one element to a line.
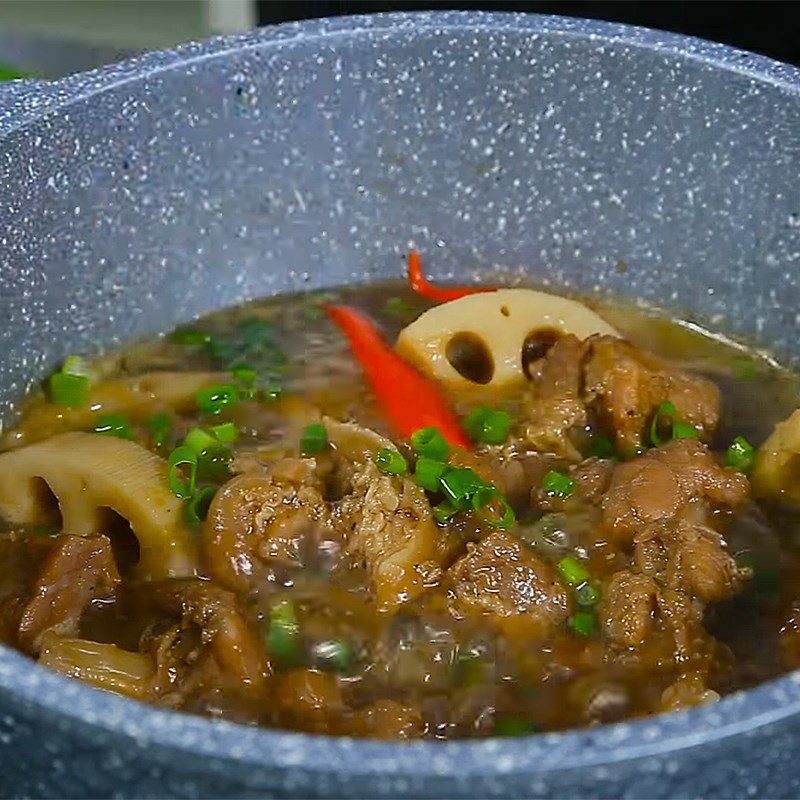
<point>315,439</point>
<point>443,512</point>
<point>199,441</point>
<point>398,307</point>
<point>587,595</point>
<point>189,337</point>
<point>740,455</point>
<point>69,390</point>
<point>256,332</point>
<point>582,623</point>
<point>572,571</point>
<point>214,399</point>
<point>225,433</point>
<point>459,485</point>
<point>744,369</point>
<point>113,425</point>
<point>514,726</point>
<point>333,655</point>
<point>160,426</point>
<point>182,457</point>
<point>429,442</point>
<point>666,427</point>
<point>272,391</point>
<point>283,636</point>
<point>601,447</point>
<point>487,426</point>
<point>555,484</point>
<point>683,430</point>
<point>428,472</point>
<point>198,505</point>
<point>44,530</point>
<point>244,374</point>
<point>492,508</point>
<point>390,461</point>
<point>77,365</point>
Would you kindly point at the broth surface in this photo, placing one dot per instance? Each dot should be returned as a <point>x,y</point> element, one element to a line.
<point>300,611</point>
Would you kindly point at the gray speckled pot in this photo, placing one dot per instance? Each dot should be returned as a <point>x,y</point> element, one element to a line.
<point>314,154</point>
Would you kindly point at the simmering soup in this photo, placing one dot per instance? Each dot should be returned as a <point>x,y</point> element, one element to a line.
<point>386,513</point>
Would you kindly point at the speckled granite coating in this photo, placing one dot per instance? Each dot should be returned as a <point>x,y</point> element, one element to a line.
<point>316,153</point>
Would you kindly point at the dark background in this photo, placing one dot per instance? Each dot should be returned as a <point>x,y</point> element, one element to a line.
<point>763,27</point>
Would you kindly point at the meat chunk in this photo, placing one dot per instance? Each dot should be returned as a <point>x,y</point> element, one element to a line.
<point>660,485</point>
<point>388,719</point>
<point>503,577</point>
<point>262,516</point>
<point>690,557</point>
<point>552,406</point>
<point>310,701</point>
<point>626,385</point>
<point>634,607</point>
<point>591,478</point>
<point>689,690</point>
<point>234,642</point>
<point>387,523</point>
<point>77,570</point>
<point>628,608</point>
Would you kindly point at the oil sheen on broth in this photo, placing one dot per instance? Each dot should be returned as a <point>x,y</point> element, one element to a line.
<point>594,553</point>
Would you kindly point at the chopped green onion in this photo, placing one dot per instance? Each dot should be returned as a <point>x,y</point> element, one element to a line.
<point>398,307</point>
<point>555,484</point>
<point>179,457</point>
<point>160,426</point>
<point>683,430</point>
<point>44,530</point>
<point>429,442</point>
<point>315,439</point>
<point>740,455</point>
<point>514,726</point>
<point>77,365</point>
<point>664,416</point>
<point>113,425</point>
<point>582,623</point>
<point>572,571</point>
<point>601,447</point>
<point>257,333</point>
<point>225,433</point>
<point>220,348</point>
<point>744,369</point>
<point>198,505</point>
<point>272,391</point>
<point>390,461</point>
<point>213,463</point>
<point>283,636</point>
<point>487,426</point>
<point>492,508</point>
<point>244,374</point>
<point>428,472</point>
<point>189,337</point>
<point>666,427</point>
<point>444,512</point>
<point>69,390</point>
<point>458,486</point>
<point>587,594</point>
<point>214,399</point>
<point>199,441</point>
<point>333,655</point>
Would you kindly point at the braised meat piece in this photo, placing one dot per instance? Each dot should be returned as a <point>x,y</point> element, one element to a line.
<point>626,385</point>
<point>663,483</point>
<point>76,571</point>
<point>504,578</point>
<point>262,516</point>
<point>552,407</point>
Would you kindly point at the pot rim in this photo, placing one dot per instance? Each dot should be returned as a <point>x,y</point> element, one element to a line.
<point>66,701</point>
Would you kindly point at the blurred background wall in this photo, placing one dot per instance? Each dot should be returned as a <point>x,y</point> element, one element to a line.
<point>55,37</point>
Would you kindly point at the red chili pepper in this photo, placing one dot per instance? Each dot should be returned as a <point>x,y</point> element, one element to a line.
<point>420,284</point>
<point>408,399</point>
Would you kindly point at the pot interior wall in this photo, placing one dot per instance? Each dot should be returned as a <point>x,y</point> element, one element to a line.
<point>315,162</point>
